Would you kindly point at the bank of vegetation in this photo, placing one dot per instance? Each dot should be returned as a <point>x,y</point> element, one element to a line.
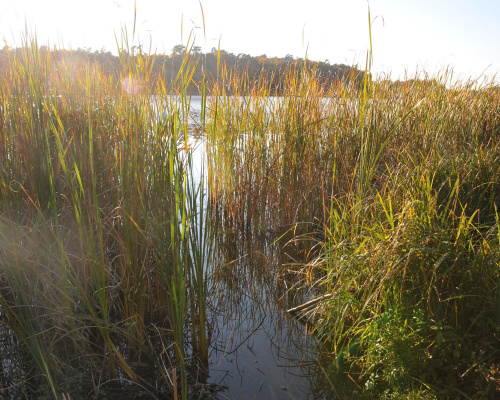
<point>103,239</point>
<point>106,242</point>
<point>398,186</point>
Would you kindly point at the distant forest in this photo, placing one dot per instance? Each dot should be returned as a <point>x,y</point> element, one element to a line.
<point>167,67</point>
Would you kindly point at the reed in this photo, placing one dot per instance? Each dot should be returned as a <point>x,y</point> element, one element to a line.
<point>398,184</point>
<point>104,236</point>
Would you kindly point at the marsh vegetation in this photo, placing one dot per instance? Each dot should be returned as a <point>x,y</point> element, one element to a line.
<point>376,200</point>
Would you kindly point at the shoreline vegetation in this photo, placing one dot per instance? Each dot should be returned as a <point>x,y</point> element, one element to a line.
<point>107,246</point>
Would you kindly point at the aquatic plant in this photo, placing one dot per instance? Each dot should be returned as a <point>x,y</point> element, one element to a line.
<point>103,233</point>
<point>389,190</point>
<point>398,185</point>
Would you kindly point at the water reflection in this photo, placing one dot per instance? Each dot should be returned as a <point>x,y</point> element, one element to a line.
<point>258,351</point>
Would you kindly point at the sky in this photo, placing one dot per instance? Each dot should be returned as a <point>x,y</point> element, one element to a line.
<point>407,35</point>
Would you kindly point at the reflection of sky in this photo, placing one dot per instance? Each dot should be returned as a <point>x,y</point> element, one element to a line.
<point>257,358</point>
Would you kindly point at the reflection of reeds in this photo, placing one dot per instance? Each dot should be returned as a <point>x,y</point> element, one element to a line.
<point>250,291</point>
<point>103,250</point>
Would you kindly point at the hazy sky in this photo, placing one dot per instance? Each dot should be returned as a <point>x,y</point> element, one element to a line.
<point>428,34</point>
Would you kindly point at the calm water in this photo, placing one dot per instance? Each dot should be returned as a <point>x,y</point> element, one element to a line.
<point>257,350</point>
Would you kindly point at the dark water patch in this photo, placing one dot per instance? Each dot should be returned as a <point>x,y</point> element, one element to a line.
<point>258,350</point>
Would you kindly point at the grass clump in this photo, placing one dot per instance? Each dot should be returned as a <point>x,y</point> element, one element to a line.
<point>103,239</point>
<point>403,180</point>
<point>413,266</point>
<point>416,297</point>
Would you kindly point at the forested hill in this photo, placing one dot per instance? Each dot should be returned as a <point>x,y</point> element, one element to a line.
<point>167,65</point>
<point>256,66</point>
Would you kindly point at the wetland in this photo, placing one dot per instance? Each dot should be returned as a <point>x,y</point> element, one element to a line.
<point>340,240</point>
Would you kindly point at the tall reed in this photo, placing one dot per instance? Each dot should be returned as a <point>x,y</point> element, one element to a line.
<point>398,182</point>
<point>104,235</point>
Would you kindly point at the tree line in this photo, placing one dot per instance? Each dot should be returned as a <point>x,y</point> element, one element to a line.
<point>202,66</point>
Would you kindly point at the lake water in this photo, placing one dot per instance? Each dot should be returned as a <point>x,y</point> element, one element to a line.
<point>257,351</point>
